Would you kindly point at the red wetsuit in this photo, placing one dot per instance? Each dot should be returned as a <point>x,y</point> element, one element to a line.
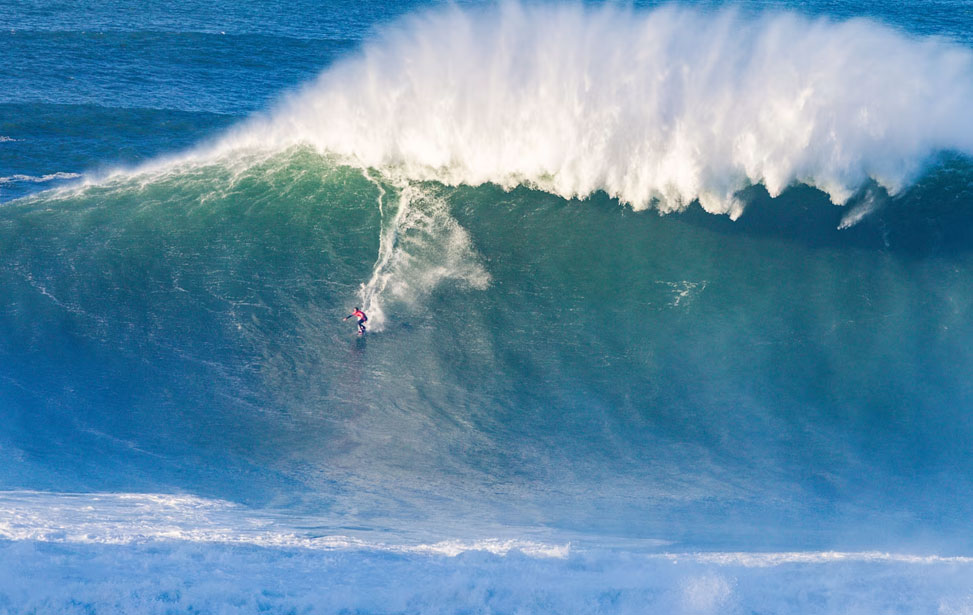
<point>360,315</point>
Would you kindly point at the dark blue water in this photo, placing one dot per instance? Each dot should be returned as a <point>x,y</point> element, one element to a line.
<point>757,402</point>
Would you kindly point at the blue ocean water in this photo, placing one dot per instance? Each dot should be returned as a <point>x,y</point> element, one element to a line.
<point>669,307</point>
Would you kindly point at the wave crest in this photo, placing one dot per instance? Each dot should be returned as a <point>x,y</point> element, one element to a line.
<point>655,108</point>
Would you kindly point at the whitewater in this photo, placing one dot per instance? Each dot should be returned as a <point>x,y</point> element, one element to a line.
<point>669,309</point>
<point>664,108</point>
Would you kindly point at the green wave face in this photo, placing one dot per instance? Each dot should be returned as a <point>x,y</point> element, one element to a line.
<point>772,379</point>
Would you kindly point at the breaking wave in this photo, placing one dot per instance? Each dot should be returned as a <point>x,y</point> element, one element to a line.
<point>657,108</point>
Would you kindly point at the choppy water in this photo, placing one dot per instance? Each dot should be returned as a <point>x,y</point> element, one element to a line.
<point>566,402</point>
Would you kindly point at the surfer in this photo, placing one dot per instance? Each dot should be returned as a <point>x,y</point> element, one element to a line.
<point>362,319</point>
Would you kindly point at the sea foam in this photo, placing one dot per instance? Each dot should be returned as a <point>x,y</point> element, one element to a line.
<point>656,108</point>
<point>37,179</point>
<point>165,553</point>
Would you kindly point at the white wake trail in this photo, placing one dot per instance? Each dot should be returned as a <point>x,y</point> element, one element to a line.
<point>420,246</point>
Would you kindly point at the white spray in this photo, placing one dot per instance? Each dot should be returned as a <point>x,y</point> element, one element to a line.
<point>656,108</point>
<point>421,245</point>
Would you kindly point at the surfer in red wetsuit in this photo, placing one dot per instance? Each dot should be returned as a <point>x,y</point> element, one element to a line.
<point>362,319</point>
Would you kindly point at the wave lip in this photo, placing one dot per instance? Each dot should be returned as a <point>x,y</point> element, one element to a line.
<point>656,108</point>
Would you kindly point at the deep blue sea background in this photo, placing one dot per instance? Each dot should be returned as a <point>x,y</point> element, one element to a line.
<point>748,405</point>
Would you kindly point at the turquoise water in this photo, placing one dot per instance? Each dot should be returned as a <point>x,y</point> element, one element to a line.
<point>669,308</point>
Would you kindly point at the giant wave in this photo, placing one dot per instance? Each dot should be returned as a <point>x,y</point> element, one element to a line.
<point>553,389</point>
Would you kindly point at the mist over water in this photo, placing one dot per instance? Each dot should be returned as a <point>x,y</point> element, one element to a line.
<point>564,403</point>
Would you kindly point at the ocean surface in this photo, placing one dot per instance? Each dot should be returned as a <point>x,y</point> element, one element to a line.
<point>670,307</point>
